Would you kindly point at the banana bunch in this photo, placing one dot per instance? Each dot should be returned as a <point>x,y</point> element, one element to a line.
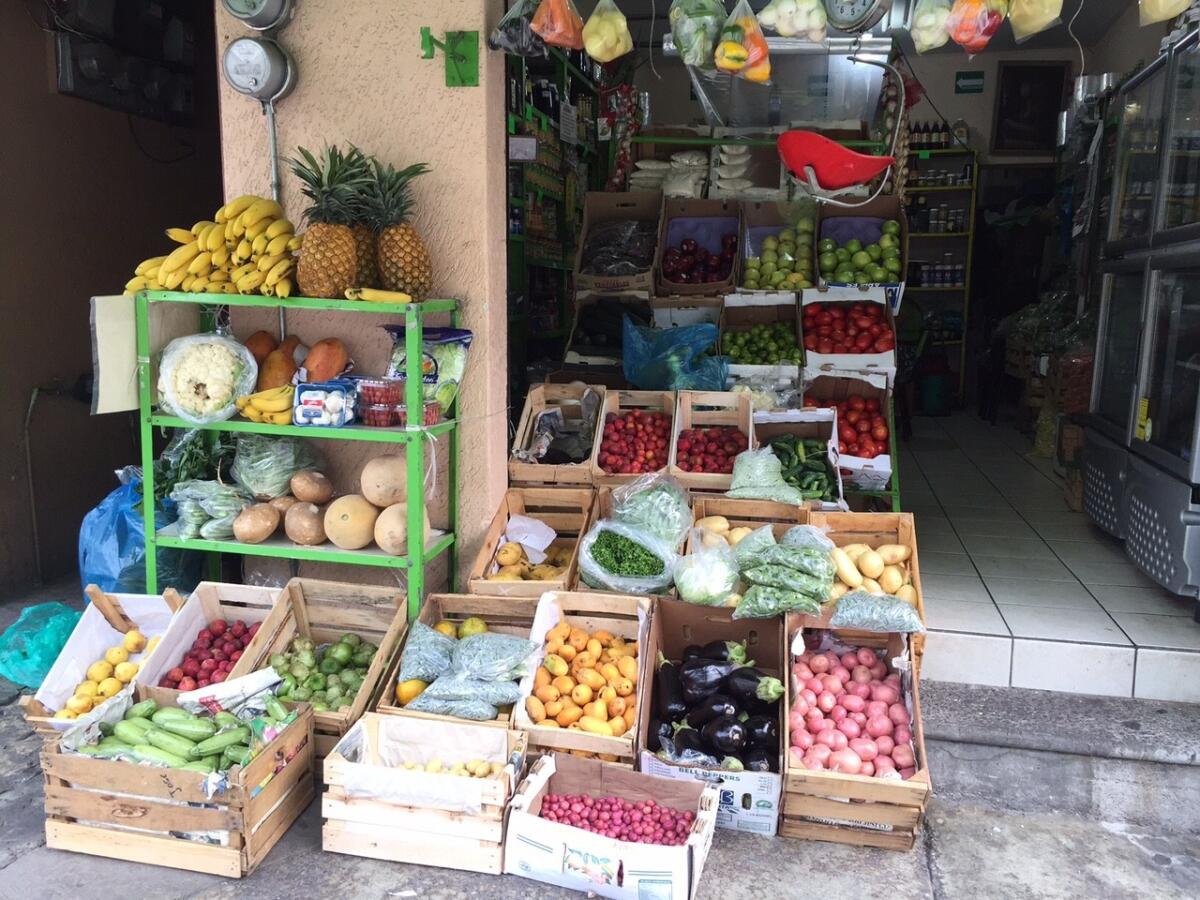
<point>373,295</point>
<point>273,406</point>
<point>247,249</point>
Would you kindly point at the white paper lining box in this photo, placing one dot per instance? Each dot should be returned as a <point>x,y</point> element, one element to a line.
<point>806,423</point>
<point>675,311</point>
<point>883,363</point>
<point>744,310</point>
<point>872,474</point>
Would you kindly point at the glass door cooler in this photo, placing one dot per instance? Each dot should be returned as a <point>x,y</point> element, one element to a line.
<point>1138,168</point>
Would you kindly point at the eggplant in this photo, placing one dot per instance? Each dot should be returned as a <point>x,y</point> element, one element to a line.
<point>702,678</point>
<point>685,739</point>
<point>759,760</point>
<point>669,690</point>
<point>658,730</point>
<point>763,732</point>
<point>725,651</point>
<point>692,651</point>
<point>747,684</point>
<point>725,734</point>
<point>709,708</point>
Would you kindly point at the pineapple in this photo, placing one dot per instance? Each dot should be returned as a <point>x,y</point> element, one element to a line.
<point>335,184</point>
<point>367,273</point>
<point>401,255</point>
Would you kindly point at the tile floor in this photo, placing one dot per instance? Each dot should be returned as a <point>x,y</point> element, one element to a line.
<point>1021,591</point>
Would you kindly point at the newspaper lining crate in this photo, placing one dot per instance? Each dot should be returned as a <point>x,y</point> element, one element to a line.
<point>540,398</point>
<point>123,810</point>
<point>361,819</point>
<point>323,611</point>
<point>620,402</point>
<point>508,615</point>
<point>708,409</point>
<point>568,510</point>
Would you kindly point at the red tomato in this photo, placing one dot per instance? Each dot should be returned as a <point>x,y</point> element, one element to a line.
<point>856,402</point>
<point>863,322</point>
<point>862,426</point>
<point>863,341</point>
<point>837,312</point>
<point>875,330</point>
<point>824,330</point>
<point>853,416</point>
<point>810,403</point>
<point>837,336</point>
<point>871,405</point>
<point>825,346</point>
<point>824,318</point>
<point>852,448</point>
<point>841,446</point>
<point>856,309</point>
<point>847,433</point>
<point>885,343</point>
<point>852,329</point>
<point>810,342</point>
<point>879,432</point>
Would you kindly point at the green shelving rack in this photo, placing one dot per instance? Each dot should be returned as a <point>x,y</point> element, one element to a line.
<point>412,437</point>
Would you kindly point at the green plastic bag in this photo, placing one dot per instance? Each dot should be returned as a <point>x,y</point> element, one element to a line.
<point>29,647</point>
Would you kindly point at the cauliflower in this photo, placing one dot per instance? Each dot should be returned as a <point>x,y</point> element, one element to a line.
<point>706,577</point>
<point>201,376</point>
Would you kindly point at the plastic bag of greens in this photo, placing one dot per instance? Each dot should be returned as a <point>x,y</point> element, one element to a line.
<point>695,25</point>
<point>443,361</point>
<point>29,646</point>
<point>928,25</point>
<point>655,503</point>
<point>559,24</point>
<point>742,46</point>
<point>460,687</point>
<point>749,549</point>
<point>606,35</point>
<point>758,475</point>
<point>779,576</point>
<point>513,34</point>
<point>264,465</point>
<point>1151,11</point>
<point>1030,17</point>
<point>201,375</point>
<point>707,576</point>
<point>490,656</point>
<point>762,601</point>
<point>796,18</point>
<point>807,536</point>
<point>200,502</point>
<point>477,710</point>
<point>426,655</point>
<point>875,612</point>
<point>615,556</point>
<point>806,560</point>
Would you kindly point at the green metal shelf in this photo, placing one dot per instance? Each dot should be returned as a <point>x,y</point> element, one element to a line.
<point>418,553</point>
<point>956,151</point>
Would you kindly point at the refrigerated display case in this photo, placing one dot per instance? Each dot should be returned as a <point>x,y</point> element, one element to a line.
<point>1136,180</point>
<point>1179,211</point>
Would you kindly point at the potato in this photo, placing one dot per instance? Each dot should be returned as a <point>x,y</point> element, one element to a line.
<point>283,504</point>
<point>509,554</point>
<point>855,550</point>
<point>535,709</point>
<point>908,594</point>
<point>735,535</point>
<point>710,539</point>
<point>718,524</point>
<point>870,564</point>
<point>302,524</point>
<point>894,553</point>
<point>311,486</point>
<point>839,588</point>
<point>892,579</point>
<point>846,569</point>
<point>256,523</point>
<point>871,586</point>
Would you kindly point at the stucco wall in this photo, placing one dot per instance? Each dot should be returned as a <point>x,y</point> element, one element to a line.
<point>362,81</point>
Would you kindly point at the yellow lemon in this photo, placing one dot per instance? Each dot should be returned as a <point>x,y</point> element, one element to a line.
<point>65,714</point>
<point>116,655</point>
<point>108,687</point>
<point>151,644</point>
<point>99,670</point>
<point>125,671</point>
<point>407,691</point>
<point>446,627</point>
<point>86,689</point>
<point>79,705</point>
<point>135,642</point>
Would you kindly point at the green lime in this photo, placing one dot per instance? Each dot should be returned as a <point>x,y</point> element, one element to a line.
<point>853,245</point>
<point>874,251</point>
<point>891,226</point>
<point>828,262</point>
<point>861,259</point>
<point>827,245</point>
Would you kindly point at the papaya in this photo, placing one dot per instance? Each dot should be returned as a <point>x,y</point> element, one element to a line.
<point>276,370</point>
<point>261,343</point>
<point>326,359</point>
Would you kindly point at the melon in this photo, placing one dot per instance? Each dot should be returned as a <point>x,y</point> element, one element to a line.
<point>350,522</point>
<point>303,524</point>
<point>391,529</point>
<point>384,480</point>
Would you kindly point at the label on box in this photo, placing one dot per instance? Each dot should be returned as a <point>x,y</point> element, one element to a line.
<point>748,801</point>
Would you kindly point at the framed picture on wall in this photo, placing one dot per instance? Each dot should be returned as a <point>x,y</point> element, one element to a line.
<point>1028,100</point>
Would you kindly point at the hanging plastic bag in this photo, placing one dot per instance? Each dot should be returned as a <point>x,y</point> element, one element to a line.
<point>201,376</point>
<point>796,18</point>
<point>672,359</point>
<point>614,556</point>
<point>1030,17</point>
<point>606,34</point>
<point>928,25</point>
<point>559,24</point>
<point>758,475</point>
<point>695,25</point>
<point>972,23</point>
<point>513,34</point>
<point>708,576</point>
<point>1151,11</point>
<point>29,646</point>
<point>742,46</point>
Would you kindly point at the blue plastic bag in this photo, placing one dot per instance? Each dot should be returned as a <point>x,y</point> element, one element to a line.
<point>112,546</point>
<point>672,359</point>
<point>29,647</point>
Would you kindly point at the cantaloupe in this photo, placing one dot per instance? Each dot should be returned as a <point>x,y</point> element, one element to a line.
<point>391,529</point>
<point>350,521</point>
<point>384,480</point>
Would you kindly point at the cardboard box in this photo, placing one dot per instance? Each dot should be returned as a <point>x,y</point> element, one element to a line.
<point>821,363</point>
<point>866,474</point>
<point>805,423</point>
<point>569,857</point>
<point>584,346</point>
<point>833,221</point>
<point>743,311</point>
<point>763,219</point>
<point>705,409</point>
<point>706,222</point>
<point>676,311</point>
<point>600,207</point>
<point>749,801</point>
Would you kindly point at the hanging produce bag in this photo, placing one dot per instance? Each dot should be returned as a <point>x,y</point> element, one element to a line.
<point>928,27</point>
<point>1030,17</point>
<point>513,34</point>
<point>695,25</point>
<point>742,47</point>
<point>795,18</point>
<point>1151,11</point>
<point>606,34</point>
<point>972,23</point>
<point>558,24</point>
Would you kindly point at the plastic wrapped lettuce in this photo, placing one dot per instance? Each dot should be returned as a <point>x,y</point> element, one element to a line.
<point>264,465</point>
<point>764,601</point>
<point>490,656</point>
<point>477,710</point>
<point>443,361</point>
<point>807,536</point>
<point>708,576</point>
<point>758,475</point>
<point>875,612</point>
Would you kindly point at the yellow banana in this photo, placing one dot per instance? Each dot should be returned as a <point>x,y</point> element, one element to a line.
<point>147,264</point>
<point>199,262</point>
<point>242,271</point>
<point>201,225</point>
<point>243,252</point>
<point>230,288</point>
<point>220,256</point>
<point>280,227</point>
<point>259,227</point>
<point>279,418</point>
<point>136,283</point>
<point>371,295</point>
<point>283,288</point>
<point>248,283</point>
<point>274,392</point>
<point>230,237</point>
<point>174,279</point>
<point>180,235</point>
<point>235,208</point>
<point>199,283</point>
<point>260,210</point>
<point>179,258</point>
<point>253,413</point>
<point>258,245</point>
<point>281,268</point>
<point>220,275</point>
<point>296,243</point>
<point>215,287</point>
<point>277,244</point>
<point>276,403</point>
<point>151,274</point>
<point>266,263</point>
<point>202,237</point>
<point>187,282</point>
<point>238,228</point>
<point>214,238</point>
<point>155,285</point>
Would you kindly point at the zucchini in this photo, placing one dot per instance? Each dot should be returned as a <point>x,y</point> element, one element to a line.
<point>111,752</point>
<point>200,765</point>
<point>220,741</point>
<point>172,743</point>
<point>226,719</point>
<point>170,713</point>
<point>143,710</point>
<point>236,755</point>
<point>132,731</point>
<point>115,742</point>
<point>192,729</point>
<point>106,729</point>
<point>156,756</point>
<point>276,709</point>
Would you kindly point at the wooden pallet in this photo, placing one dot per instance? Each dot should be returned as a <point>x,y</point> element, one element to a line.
<point>123,810</point>
<point>622,402</point>
<point>540,398</point>
<point>704,409</point>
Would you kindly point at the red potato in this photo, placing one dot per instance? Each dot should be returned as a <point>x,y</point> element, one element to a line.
<point>801,672</point>
<point>819,751</point>
<point>849,728</point>
<point>832,684</point>
<point>849,660</point>
<point>877,726</point>
<point>826,701</point>
<point>861,675</point>
<point>852,702</point>
<point>859,689</point>
<point>837,714</point>
<point>908,773</point>
<point>820,664</point>
<point>902,734</point>
<point>841,673</point>
<point>833,739</point>
<point>868,768</point>
<point>866,656</point>
<point>815,685</point>
<point>885,744</point>
<point>904,757</point>
<point>878,669</point>
<point>845,760</point>
<point>860,718</point>
<point>898,713</point>
<point>813,720</point>
<point>884,765</point>
<point>802,739</point>
<point>810,696</point>
<point>866,748</point>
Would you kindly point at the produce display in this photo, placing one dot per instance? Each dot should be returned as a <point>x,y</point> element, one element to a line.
<point>710,449</point>
<point>972,23</point>
<point>328,676</point>
<point>106,676</point>
<point>621,247</point>
<point>848,715</point>
<point>806,465</point>
<point>586,682</point>
<point>763,345</point>
<point>200,377</point>
<point>847,328</point>
<point>742,47</point>
<point>246,249</point>
<point>634,442</point>
<point>217,648</point>
<point>780,261</point>
<point>689,263</point>
<point>606,33</point>
<point>879,570</point>
<point>714,709</point>
<point>620,819</point>
<point>695,25</point>
<point>512,563</point>
<point>795,18</point>
<point>854,262</point>
<point>472,768</point>
<point>862,425</point>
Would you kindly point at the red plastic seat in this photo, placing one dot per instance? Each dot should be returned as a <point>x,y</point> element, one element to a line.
<point>835,166</point>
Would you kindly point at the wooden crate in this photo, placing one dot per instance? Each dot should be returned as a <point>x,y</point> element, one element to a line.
<point>703,409</point>
<point>540,398</point>
<point>860,810</point>
<point>567,510</point>
<point>751,513</point>
<point>621,402</point>
<point>360,822</point>
<point>627,617</point>
<point>123,810</point>
<point>323,611</point>
<point>508,615</point>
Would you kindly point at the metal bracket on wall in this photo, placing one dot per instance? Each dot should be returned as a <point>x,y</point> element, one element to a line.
<point>462,55</point>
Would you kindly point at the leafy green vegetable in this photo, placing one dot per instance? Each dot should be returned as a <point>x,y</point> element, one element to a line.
<point>443,361</point>
<point>619,555</point>
<point>193,454</point>
<point>264,465</point>
<point>657,504</point>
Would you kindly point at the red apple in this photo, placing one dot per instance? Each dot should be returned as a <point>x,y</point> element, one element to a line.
<point>220,655</point>
<point>230,646</point>
<point>176,674</point>
<point>218,627</point>
<point>238,628</point>
<point>190,667</point>
<point>219,676</point>
<point>208,665</point>
<point>253,629</point>
<point>202,655</point>
<point>236,655</point>
<point>187,684</point>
